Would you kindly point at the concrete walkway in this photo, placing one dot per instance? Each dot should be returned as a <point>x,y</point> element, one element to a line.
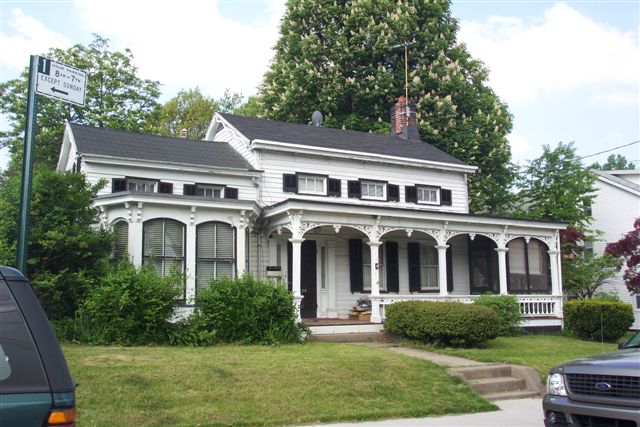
<point>439,359</point>
<point>512,413</point>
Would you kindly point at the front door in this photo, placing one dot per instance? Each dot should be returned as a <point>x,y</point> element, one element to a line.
<point>308,283</point>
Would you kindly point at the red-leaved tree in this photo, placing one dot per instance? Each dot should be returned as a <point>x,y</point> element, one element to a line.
<point>628,248</point>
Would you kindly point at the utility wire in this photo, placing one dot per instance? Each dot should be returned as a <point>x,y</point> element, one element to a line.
<point>611,149</point>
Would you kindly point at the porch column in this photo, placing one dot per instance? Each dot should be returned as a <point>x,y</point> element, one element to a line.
<point>331,279</point>
<point>296,246</point>
<point>502,269</point>
<point>241,253</point>
<point>442,269</point>
<point>191,264</point>
<point>375,282</point>
<point>554,259</point>
<point>135,243</point>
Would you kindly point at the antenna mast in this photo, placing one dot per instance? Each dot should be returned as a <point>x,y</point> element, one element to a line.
<point>406,71</point>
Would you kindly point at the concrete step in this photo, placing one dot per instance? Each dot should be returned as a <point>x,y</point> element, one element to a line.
<point>506,395</point>
<point>484,371</point>
<point>497,384</point>
<point>352,337</point>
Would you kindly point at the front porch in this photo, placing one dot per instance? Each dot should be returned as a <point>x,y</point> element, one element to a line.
<point>330,259</point>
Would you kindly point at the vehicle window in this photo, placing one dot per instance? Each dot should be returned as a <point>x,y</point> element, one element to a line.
<point>634,341</point>
<point>20,365</point>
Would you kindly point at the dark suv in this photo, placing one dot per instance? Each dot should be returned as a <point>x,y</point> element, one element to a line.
<point>600,391</point>
<point>35,386</point>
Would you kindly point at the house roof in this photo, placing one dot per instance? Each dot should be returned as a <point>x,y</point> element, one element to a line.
<point>131,145</point>
<point>617,180</point>
<point>364,142</point>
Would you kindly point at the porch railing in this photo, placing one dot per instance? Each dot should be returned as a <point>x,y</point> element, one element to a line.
<point>531,306</point>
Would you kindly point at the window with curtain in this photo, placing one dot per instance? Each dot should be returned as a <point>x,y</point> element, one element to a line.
<point>528,267</point>
<point>121,243</point>
<point>215,253</point>
<point>163,245</point>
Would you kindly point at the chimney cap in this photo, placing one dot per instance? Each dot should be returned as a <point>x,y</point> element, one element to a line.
<point>184,133</point>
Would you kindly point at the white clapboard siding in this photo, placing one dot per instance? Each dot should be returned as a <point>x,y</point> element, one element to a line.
<point>239,143</point>
<point>614,211</point>
<point>277,164</point>
<point>96,171</point>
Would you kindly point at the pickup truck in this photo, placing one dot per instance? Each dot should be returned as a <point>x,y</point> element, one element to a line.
<point>599,391</point>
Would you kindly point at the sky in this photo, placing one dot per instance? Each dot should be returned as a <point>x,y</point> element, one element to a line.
<point>569,71</point>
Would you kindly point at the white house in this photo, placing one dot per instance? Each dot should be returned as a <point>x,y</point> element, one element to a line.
<point>614,210</point>
<point>336,214</point>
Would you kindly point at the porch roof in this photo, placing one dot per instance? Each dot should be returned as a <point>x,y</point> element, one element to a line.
<point>347,209</point>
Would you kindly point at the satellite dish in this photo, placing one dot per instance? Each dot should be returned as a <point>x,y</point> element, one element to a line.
<point>316,118</point>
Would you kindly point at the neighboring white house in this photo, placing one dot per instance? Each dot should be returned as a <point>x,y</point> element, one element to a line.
<point>614,210</point>
<point>336,214</point>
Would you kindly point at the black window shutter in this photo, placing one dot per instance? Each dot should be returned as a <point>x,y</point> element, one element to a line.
<point>334,187</point>
<point>449,270</point>
<point>355,264</point>
<point>393,193</point>
<point>414,266</point>
<point>165,187</point>
<point>289,183</point>
<point>118,184</point>
<point>353,188</point>
<point>78,164</point>
<point>393,280</point>
<point>411,194</point>
<point>189,189</point>
<point>445,197</point>
<point>230,193</point>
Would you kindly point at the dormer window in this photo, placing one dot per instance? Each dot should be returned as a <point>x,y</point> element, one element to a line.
<point>312,184</point>
<point>428,195</point>
<point>141,186</point>
<point>373,190</point>
<point>209,191</point>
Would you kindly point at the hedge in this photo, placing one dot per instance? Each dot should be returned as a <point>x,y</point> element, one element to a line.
<point>597,319</point>
<point>507,309</point>
<point>442,323</point>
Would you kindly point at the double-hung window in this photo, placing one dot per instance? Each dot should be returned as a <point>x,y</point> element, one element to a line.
<point>428,195</point>
<point>209,191</point>
<point>373,190</point>
<point>141,186</point>
<point>163,241</point>
<point>215,253</point>
<point>312,184</point>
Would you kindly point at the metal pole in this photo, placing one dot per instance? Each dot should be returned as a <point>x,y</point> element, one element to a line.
<point>406,78</point>
<point>27,168</point>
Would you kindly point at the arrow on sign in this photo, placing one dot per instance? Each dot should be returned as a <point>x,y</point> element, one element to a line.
<point>54,90</point>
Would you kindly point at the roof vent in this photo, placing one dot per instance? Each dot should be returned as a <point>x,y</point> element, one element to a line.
<point>183,133</point>
<point>316,119</point>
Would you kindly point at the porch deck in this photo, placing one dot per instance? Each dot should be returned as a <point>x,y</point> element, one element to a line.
<point>328,326</point>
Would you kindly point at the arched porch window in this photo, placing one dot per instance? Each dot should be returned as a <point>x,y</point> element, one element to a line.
<point>528,267</point>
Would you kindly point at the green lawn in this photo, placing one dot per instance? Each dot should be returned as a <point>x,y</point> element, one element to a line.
<point>259,385</point>
<point>539,351</point>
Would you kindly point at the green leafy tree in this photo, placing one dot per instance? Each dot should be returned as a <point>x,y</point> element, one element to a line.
<point>67,252</point>
<point>249,108</point>
<point>556,187</point>
<point>339,58</point>
<point>116,98</point>
<point>189,110</point>
<point>627,249</point>
<point>230,101</point>
<point>614,162</point>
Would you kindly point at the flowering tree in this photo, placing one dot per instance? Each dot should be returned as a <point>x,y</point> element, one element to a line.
<point>342,58</point>
<point>628,248</point>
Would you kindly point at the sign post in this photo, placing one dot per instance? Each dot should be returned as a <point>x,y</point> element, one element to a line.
<point>58,81</point>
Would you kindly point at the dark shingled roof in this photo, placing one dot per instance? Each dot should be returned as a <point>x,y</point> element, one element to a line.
<point>364,142</point>
<point>130,145</point>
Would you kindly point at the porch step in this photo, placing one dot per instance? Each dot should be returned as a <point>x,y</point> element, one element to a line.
<point>358,328</point>
<point>497,382</point>
<point>352,337</point>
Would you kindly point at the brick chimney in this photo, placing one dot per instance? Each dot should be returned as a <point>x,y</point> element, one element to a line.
<point>403,120</point>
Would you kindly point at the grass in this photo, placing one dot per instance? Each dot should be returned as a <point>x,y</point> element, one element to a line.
<point>259,385</point>
<point>539,351</point>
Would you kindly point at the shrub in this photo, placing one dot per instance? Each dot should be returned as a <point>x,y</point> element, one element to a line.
<point>597,319</point>
<point>607,296</point>
<point>442,323</point>
<point>129,306</point>
<point>507,309</point>
<point>248,311</point>
<point>187,332</point>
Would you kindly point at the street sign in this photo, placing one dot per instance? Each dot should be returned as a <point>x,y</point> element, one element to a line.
<point>60,81</point>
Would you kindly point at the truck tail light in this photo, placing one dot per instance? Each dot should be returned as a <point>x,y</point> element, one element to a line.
<point>65,417</point>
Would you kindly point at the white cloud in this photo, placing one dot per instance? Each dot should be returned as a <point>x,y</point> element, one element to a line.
<point>29,37</point>
<point>188,43</point>
<point>521,148</point>
<point>562,52</point>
